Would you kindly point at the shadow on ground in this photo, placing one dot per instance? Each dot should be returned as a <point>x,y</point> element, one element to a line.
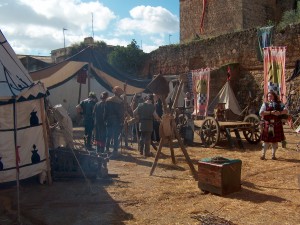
<point>73,201</point>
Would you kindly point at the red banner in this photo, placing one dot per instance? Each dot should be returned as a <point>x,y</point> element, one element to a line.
<point>81,76</point>
<point>202,17</point>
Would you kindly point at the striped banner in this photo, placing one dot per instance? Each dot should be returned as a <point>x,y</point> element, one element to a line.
<point>274,72</point>
<point>201,79</point>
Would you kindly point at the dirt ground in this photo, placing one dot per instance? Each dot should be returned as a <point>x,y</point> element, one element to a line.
<point>270,191</point>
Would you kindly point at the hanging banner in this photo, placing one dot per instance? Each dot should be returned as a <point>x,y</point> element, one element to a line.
<point>274,72</point>
<point>201,79</point>
<point>264,36</point>
<point>82,75</point>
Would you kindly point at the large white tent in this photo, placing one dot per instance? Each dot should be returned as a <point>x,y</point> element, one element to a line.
<point>23,142</point>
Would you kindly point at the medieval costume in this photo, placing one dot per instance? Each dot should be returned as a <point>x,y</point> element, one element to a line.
<point>114,118</point>
<point>146,113</point>
<point>86,109</point>
<point>100,126</point>
<point>272,127</point>
<point>159,110</point>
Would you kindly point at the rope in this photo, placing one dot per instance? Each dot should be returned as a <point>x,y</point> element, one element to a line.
<point>84,175</point>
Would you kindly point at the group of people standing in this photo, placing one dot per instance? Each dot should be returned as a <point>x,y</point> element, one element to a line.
<point>108,115</point>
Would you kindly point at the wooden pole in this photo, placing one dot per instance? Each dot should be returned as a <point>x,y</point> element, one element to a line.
<point>89,78</point>
<point>186,155</point>
<point>175,103</point>
<point>172,150</point>
<point>17,159</point>
<point>157,155</point>
<point>79,94</point>
<point>49,178</point>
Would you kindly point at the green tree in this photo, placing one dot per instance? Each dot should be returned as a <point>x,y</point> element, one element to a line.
<point>129,59</point>
<point>77,47</point>
<point>290,17</point>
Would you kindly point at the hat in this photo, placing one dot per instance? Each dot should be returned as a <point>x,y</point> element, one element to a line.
<point>117,90</point>
<point>104,95</point>
<point>150,97</point>
<point>92,95</point>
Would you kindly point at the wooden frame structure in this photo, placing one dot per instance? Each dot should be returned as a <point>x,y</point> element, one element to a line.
<point>168,131</point>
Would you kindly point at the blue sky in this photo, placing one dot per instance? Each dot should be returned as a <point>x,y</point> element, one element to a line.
<point>35,27</point>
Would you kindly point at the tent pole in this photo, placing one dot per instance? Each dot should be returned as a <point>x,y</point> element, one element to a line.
<point>17,160</point>
<point>179,88</point>
<point>79,95</point>
<point>49,179</point>
<point>89,78</point>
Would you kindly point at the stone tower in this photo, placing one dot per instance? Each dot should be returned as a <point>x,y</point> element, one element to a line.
<point>217,17</point>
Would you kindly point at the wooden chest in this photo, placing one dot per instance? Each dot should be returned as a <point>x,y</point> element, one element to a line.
<point>220,177</point>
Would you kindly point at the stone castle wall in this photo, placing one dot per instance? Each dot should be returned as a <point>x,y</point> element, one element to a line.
<point>240,48</point>
<point>221,17</point>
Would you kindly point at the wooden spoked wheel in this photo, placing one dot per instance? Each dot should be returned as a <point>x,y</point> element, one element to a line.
<point>252,134</point>
<point>210,132</point>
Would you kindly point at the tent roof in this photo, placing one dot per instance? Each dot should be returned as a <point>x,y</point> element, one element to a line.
<point>14,78</point>
<point>104,73</point>
<point>226,96</point>
<point>58,74</point>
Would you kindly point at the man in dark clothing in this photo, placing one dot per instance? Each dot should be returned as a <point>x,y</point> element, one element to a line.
<point>159,110</point>
<point>114,118</point>
<point>86,108</point>
<point>99,123</point>
<point>136,100</point>
<point>146,113</point>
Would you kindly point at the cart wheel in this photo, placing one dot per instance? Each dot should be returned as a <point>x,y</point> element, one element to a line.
<point>210,132</point>
<point>252,135</point>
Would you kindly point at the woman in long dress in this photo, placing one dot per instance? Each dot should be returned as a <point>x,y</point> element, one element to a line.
<point>272,132</point>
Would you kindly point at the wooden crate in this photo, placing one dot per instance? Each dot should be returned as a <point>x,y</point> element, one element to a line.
<point>220,178</point>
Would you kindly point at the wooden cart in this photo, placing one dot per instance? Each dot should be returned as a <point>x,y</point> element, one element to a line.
<point>210,130</point>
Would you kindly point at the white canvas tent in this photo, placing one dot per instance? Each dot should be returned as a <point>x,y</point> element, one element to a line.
<point>23,142</point>
<point>67,94</point>
<point>226,96</point>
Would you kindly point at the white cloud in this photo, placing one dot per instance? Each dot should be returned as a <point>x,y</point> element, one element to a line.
<point>149,20</point>
<point>149,48</point>
<point>36,26</point>
<point>74,13</point>
<point>158,40</point>
<point>115,41</point>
